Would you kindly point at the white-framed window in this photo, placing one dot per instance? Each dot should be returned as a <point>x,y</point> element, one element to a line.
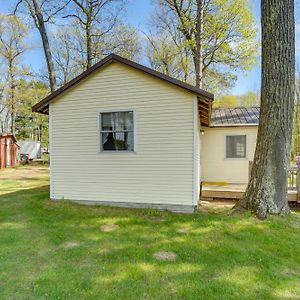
<point>236,146</point>
<point>116,131</point>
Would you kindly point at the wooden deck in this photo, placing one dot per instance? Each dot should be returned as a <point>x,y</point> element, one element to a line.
<point>212,191</point>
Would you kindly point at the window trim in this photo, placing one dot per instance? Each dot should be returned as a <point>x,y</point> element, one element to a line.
<point>99,112</point>
<point>246,146</point>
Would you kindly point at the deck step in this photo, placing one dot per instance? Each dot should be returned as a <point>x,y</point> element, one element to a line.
<point>233,191</point>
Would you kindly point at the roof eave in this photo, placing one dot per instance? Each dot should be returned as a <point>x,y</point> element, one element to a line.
<point>8,135</point>
<point>42,106</point>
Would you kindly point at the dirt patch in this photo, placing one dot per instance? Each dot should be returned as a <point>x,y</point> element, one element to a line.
<point>165,255</point>
<point>219,204</point>
<point>183,230</point>
<point>295,224</point>
<point>109,227</point>
<point>71,245</point>
<point>21,173</point>
<point>155,219</point>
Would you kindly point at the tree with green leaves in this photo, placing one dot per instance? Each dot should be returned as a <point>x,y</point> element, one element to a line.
<point>249,99</point>
<point>166,57</point>
<point>12,46</point>
<point>30,125</point>
<point>226,101</point>
<point>226,39</point>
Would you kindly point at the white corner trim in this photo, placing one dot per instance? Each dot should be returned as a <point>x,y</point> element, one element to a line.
<point>196,183</point>
<point>50,150</point>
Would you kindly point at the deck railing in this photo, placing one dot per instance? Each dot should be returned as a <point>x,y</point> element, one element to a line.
<point>293,178</point>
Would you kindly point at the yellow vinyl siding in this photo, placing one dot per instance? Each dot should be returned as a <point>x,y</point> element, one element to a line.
<point>215,166</point>
<point>161,168</point>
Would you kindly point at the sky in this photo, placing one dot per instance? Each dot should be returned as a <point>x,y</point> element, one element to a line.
<point>138,14</point>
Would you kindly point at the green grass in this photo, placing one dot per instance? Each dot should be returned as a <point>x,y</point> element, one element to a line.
<point>58,251</point>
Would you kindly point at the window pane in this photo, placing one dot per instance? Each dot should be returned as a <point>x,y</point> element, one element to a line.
<point>117,121</point>
<point>117,141</point>
<point>123,120</point>
<point>107,121</point>
<point>236,146</point>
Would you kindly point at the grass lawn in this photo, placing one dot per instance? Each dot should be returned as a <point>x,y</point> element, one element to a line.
<point>60,251</point>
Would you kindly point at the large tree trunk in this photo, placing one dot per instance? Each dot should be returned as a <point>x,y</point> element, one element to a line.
<point>199,33</point>
<point>43,33</point>
<point>267,189</point>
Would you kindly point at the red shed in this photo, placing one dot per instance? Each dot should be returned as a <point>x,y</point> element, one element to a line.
<point>9,150</point>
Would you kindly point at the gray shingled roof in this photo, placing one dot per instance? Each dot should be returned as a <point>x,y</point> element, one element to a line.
<point>235,116</point>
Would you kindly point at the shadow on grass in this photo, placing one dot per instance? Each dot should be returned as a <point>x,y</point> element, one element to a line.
<point>57,249</point>
<point>23,178</point>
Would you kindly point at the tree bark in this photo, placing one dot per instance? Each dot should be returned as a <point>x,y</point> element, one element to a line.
<point>266,192</point>
<point>12,96</point>
<point>199,33</point>
<point>88,44</point>
<point>43,33</point>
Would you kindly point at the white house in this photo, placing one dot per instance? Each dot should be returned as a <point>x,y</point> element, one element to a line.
<point>125,135</point>
<point>228,145</point>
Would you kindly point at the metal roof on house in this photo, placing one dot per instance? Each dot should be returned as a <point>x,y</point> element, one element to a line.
<point>235,116</point>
